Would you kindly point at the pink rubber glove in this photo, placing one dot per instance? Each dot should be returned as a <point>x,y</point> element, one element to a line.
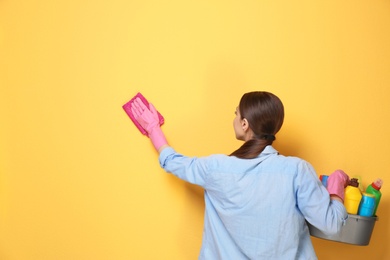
<point>149,120</point>
<point>337,182</point>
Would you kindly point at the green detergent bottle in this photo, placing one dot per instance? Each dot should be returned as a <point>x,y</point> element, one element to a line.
<point>374,189</point>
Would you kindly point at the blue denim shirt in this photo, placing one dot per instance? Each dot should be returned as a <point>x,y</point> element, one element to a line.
<point>256,208</point>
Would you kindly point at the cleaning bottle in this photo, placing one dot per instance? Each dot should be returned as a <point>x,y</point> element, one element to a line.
<point>352,197</point>
<point>367,205</point>
<point>374,189</point>
<point>324,180</point>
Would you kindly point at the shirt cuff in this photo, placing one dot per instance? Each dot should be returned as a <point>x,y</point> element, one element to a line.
<point>164,154</point>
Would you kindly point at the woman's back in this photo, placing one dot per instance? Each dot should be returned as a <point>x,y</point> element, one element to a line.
<point>255,208</point>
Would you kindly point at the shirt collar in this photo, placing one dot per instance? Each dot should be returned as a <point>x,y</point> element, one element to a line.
<point>268,150</point>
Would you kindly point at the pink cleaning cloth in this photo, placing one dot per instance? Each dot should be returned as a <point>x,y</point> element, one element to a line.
<point>127,108</point>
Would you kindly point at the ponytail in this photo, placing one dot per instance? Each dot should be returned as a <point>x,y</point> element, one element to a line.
<point>252,148</point>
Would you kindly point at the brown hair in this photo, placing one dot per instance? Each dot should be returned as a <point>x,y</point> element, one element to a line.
<point>265,114</point>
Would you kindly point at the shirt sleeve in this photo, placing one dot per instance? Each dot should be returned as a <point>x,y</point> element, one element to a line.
<point>191,169</point>
<point>315,204</point>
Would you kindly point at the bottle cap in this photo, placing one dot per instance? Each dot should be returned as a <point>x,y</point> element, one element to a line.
<point>377,184</point>
<point>354,182</point>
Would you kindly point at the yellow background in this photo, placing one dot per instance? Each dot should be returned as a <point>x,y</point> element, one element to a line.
<point>78,181</point>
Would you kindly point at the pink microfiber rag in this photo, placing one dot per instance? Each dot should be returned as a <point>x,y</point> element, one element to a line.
<point>127,108</point>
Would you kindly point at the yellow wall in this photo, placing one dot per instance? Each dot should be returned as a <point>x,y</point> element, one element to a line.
<point>78,181</point>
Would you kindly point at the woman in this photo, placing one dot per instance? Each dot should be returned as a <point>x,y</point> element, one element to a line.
<point>256,201</point>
